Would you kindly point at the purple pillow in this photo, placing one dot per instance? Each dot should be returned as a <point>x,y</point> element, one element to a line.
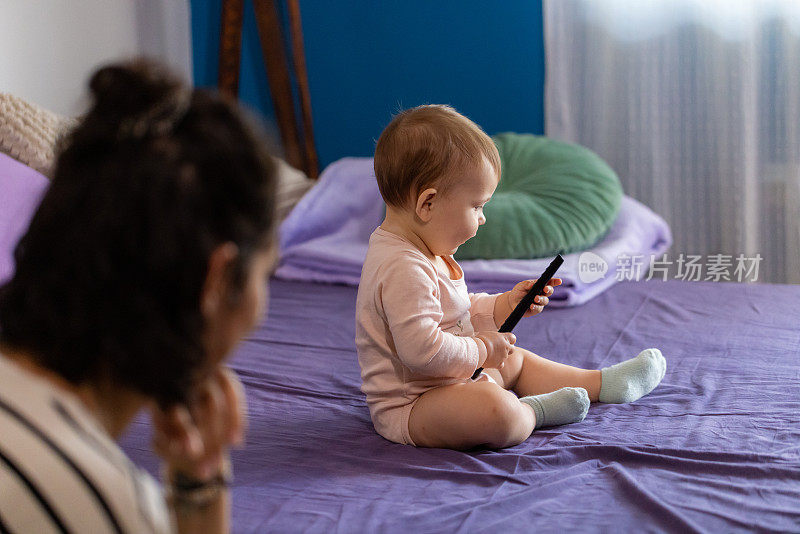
<point>21,190</point>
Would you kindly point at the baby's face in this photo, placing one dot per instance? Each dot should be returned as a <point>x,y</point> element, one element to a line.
<point>459,213</point>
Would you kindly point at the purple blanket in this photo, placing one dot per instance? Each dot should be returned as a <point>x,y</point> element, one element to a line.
<point>715,448</point>
<point>325,239</point>
<point>21,189</point>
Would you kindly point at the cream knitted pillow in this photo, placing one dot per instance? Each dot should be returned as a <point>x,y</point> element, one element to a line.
<point>28,133</point>
<point>292,185</point>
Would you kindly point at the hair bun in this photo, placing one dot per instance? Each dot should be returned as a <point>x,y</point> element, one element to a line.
<point>137,98</point>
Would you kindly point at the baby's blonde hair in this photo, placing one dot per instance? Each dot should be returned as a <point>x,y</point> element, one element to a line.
<point>427,146</point>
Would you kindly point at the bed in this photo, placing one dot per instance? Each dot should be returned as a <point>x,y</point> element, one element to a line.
<point>715,448</point>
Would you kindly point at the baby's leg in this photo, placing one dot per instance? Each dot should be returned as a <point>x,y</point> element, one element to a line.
<point>529,374</point>
<point>624,382</point>
<point>462,416</point>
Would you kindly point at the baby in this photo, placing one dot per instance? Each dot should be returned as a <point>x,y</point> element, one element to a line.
<point>420,335</point>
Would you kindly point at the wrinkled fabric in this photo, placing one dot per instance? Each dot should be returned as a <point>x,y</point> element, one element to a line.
<point>325,239</point>
<point>714,448</point>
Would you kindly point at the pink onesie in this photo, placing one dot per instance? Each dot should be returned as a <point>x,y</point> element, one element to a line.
<point>413,328</point>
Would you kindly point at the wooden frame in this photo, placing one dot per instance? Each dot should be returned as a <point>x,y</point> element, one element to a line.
<point>295,128</point>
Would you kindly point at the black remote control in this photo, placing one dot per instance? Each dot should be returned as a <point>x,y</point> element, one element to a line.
<point>527,300</point>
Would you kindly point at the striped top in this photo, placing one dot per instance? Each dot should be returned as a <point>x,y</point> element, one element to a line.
<point>59,469</point>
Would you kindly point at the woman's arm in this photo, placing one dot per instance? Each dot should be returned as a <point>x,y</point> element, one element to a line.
<point>199,505</point>
<point>194,442</point>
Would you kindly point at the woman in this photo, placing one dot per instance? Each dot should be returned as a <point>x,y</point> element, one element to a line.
<point>145,263</point>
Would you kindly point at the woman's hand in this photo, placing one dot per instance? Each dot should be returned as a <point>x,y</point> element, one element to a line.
<point>194,439</point>
<point>521,289</point>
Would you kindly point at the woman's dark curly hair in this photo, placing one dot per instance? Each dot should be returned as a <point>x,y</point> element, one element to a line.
<point>109,275</point>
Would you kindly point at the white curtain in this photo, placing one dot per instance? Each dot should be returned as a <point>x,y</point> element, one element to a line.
<point>696,105</point>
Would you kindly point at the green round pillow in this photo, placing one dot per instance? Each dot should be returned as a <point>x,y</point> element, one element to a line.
<point>552,197</point>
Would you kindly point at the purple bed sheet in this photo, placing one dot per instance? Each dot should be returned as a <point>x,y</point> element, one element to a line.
<point>715,448</point>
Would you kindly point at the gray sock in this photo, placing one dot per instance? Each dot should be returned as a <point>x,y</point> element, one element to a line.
<point>632,379</point>
<point>561,407</point>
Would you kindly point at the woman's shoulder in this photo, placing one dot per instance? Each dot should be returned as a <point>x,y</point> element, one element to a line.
<point>61,470</point>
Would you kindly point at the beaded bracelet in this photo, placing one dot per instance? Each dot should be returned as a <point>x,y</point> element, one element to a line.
<point>191,493</point>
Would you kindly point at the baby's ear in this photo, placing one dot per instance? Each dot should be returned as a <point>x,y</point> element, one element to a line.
<point>425,204</point>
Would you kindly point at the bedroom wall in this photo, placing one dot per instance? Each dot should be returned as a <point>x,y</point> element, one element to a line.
<point>367,59</point>
<point>50,47</point>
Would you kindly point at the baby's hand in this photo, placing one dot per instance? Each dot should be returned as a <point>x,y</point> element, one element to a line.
<point>522,288</point>
<point>498,347</point>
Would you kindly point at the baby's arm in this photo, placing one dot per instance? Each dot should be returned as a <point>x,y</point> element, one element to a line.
<point>504,303</point>
<point>408,296</point>
<point>482,311</point>
<point>483,316</point>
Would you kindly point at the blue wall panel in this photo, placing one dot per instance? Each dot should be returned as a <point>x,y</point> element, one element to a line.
<point>366,60</point>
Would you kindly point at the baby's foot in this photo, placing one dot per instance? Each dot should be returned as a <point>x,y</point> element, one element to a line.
<point>632,379</point>
<point>561,407</point>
